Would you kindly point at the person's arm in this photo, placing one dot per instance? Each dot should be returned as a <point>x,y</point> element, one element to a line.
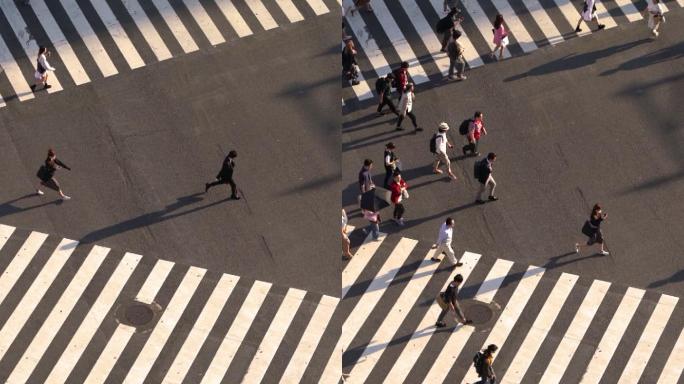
<point>484,131</point>
<point>445,6</point>
<point>58,162</point>
<point>45,64</point>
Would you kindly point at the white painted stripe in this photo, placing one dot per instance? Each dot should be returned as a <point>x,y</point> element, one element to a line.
<point>572,15</point>
<point>681,3</point>
<point>493,281</point>
<point>318,6</point>
<point>89,37</point>
<point>628,8</point>
<point>367,43</point>
<point>167,322</point>
<point>515,26</point>
<point>612,336</point>
<point>469,52</point>
<point>35,293</point>
<point>675,363</point>
<point>420,338</point>
<point>233,16</point>
<point>290,10</point>
<point>176,26</point>
<point>118,34</point>
<point>204,21</point>
<point>483,24</point>
<point>116,344</point>
<point>510,314</point>
<point>333,370</point>
<point>238,329</point>
<point>274,336</point>
<point>390,324</point>
<point>200,329</point>
<point>371,297</point>
<point>648,340</point>
<point>307,344</point>
<point>544,22</point>
<point>19,262</point>
<point>357,263</point>
<point>92,321</point>
<point>427,35</point>
<point>27,42</point>
<point>362,90</point>
<point>541,327</point>
<point>5,230</point>
<point>147,29</point>
<point>261,13</point>
<point>575,333</point>
<point>52,324</point>
<point>153,283</point>
<point>604,16</point>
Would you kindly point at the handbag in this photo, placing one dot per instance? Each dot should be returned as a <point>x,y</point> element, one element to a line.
<point>440,300</point>
<point>504,41</point>
<point>404,194</point>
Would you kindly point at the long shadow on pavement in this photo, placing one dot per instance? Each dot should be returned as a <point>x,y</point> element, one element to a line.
<point>8,208</point>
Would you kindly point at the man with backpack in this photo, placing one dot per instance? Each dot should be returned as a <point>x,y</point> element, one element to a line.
<point>446,25</point>
<point>438,146</point>
<point>383,87</point>
<point>483,174</point>
<point>475,130</point>
<point>456,59</point>
<point>483,361</point>
<point>449,297</point>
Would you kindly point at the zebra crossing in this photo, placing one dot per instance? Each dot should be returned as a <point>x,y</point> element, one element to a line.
<point>99,39</point>
<point>403,30</point>
<point>59,322</point>
<point>550,326</point>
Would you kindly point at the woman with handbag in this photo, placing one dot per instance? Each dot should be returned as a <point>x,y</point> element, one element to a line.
<point>592,229</point>
<point>500,37</point>
<point>654,12</point>
<point>399,192</point>
<point>42,68</point>
<point>46,174</point>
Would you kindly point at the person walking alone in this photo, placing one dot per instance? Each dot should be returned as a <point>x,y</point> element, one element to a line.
<point>443,244</point>
<point>383,86</point>
<point>475,130</point>
<point>654,12</point>
<point>450,297</point>
<point>42,68</point>
<point>346,243</point>
<point>592,229</point>
<point>391,163</point>
<point>456,59</point>
<point>350,67</point>
<point>440,143</point>
<point>500,37</point>
<point>484,176</point>
<point>225,176</point>
<point>399,192</point>
<point>406,108</point>
<point>46,174</point>
<point>484,365</point>
<point>589,13</point>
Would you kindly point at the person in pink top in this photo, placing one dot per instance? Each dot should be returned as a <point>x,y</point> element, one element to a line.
<point>500,37</point>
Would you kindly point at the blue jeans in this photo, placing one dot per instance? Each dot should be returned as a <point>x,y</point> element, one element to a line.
<point>373,228</point>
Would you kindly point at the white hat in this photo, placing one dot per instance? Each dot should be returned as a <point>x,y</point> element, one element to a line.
<point>443,126</point>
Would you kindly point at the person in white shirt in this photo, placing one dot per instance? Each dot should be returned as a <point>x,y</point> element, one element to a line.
<point>406,108</point>
<point>654,12</point>
<point>42,68</point>
<point>443,244</point>
<point>345,237</point>
<point>442,142</point>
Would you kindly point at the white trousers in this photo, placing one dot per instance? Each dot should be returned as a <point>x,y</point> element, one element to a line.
<point>446,248</point>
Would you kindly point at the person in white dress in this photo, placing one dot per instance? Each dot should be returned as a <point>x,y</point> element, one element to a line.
<point>589,13</point>
<point>654,12</point>
<point>42,68</point>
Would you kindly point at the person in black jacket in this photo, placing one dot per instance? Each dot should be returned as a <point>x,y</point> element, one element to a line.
<point>350,67</point>
<point>485,178</point>
<point>452,303</point>
<point>46,174</point>
<point>225,176</point>
<point>384,87</point>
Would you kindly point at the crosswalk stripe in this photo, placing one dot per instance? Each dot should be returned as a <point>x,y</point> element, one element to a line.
<point>612,336</point>
<point>274,336</point>
<point>510,314</point>
<point>61,370</point>
<point>483,24</point>
<point>648,340</point>
<point>333,369</point>
<point>515,26</point>
<point>675,363</point>
<point>19,263</point>
<point>290,10</point>
<point>540,328</point>
<point>238,329</point>
<point>367,43</point>
<point>14,74</point>
<point>628,9</point>
<point>571,15</point>
<point>118,34</point>
<point>123,333</point>
<point>390,324</point>
<point>493,281</point>
<point>261,13</point>
<point>307,345</point>
<point>90,39</point>
<point>318,6</point>
<point>28,44</point>
<point>204,21</point>
<point>469,52</point>
<point>5,230</point>
<point>544,22</point>
<point>52,324</point>
<point>604,16</point>
<point>357,263</point>
<point>176,26</point>
<point>163,328</point>
<point>575,333</point>
<point>233,16</point>
<point>200,329</point>
<point>377,287</point>
<point>71,62</point>
<point>419,339</point>
<point>424,30</point>
<point>147,29</point>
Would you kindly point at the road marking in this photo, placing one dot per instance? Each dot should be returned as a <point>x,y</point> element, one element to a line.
<point>572,15</point>
<point>675,363</point>
<point>469,51</point>
<point>261,13</point>
<point>176,26</point>
<point>118,34</point>
<point>427,35</point>
<point>604,16</point>
<point>147,29</point>
<point>5,230</point>
<point>19,263</point>
<point>204,21</point>
<point>548,28</point>
<point>318,6</point>
<point>333,370</point>
<point>628,9</point>
<point>483,24</point>
<point>290,10</point>
<point>153,283</point>
<point>233,16</point>
<point>361,258</point>
<point>369,46</point>
<point>515,26</point>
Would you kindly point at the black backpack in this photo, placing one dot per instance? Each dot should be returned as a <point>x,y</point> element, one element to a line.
<point>433,143</point>
<point>478,362</point>
<point>444,24</point>
<point>395,80</point>
<point>463,128</point>
<point>380,85</point>
<point>477,168</point>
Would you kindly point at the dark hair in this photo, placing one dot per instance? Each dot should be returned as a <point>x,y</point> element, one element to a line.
<point>396,173</point>
<point>456,34</point>
<point>458,278</point>
<point>596,208</point>
<point>232,153</point>
<point>367,162</point>
<point>390,75</point>
<point>390,145</point>
<point>449,221</point>
<point>491,348</point>
<point>41,50</point>
<point>498,21</point>
<point>478,114</point>
<point>51,152</point>
<point>491,156</point>
<point>404,64</point>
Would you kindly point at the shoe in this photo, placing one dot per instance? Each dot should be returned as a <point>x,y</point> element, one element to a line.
<point>33,87</point>
<point>478,201</point>
<point>398,129</point>
<point>440,324</point>
<point>600,27</point>
<point>578,29</point>
<point>235,197</point>
<point>401,222</point>
<point>355,82</point>
<point>65,197</point>
<point>655,33</point>
<point>443,50</point>
<point>47,86</point>
<point>467,322</point>
<point>206,187</point>
<point>605,253</point>
<point>346,257</point>
<point>493,198</point>
<point>438,171</point>
<point>451,78</point>
<point>460,78</point>
<point>376,238</point>
<point>436,260</point>
<point>576,247</point>
<point>419,129</point>
<point>459,264</point>
<point>39,192</point>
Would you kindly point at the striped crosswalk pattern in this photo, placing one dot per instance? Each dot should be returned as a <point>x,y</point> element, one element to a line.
<point>64,321</point>
<point>77,33</point>
<point>390,287</point>
<point>404,30</point>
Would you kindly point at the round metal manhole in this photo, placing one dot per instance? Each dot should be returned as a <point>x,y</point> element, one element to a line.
<point>138,314</point>
<point>480,313</point>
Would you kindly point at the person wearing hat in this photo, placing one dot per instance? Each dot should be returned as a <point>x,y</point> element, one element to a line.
<point>391,163</point>
<point>406,108</point>
<point>383,86</point>
<point>456,59</point>
<point>441,144</point>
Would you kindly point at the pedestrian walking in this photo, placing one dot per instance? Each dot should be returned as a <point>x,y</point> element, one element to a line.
<point>654,12</point>
<point>46,174</point>
<point>358,4</point>
<point>592,229</point>
<point>450,298</point>
<point>456,59</point>
<point>438,146</point>
<point>483,361</point>
<point>383,86</point>
<point>365,178</point>
<point>225,176</point>
<point>373,223</point>
<point>589,13</point>
<point>350,67</point>
<point>483,174</point>
<point>443,244</point>
<point>391,163</point>
<point>450,5</point>
<point>406,109</point>
<point>399,192</point>
<point>446,25</point>
<point>401,77</point>
<point>42,68</point>
<point>346,243</point>
<point>476,129</point>
<point>500,37</point>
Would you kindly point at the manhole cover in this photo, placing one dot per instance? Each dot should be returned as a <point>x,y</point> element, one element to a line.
<point>477,311</point>
<point>138,314</point>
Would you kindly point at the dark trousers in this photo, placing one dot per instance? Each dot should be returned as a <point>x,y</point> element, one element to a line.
<point>458,64</point>
<point>386,100</point>
<point>230,181</point>
<point>398,211</point>
<point>470,147</point>
<point>411,116</point>
<point>388,176</point>
<point>445,37</point>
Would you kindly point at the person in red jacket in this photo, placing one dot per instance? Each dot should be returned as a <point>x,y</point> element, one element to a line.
<point>399,190</point>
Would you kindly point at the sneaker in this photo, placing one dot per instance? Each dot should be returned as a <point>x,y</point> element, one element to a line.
<point>605,253</point>
<point>461,78</point>
<point>576,247</point>
<point>600,27</point>
<point>436,260</point>
<point>440,324</point>
<point>355,82</point>
<point>451,78</point>
<point>65,197</point>
<point>493,198</point>
<point>467,322</point>
<point>459,264</point>
<point>443,50</point>
<point>235,197</point>
<point>655,33</point>
<point>578,29</point>
<point>478,201</point>
<point>39,192</point>
<point>401,222</point>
